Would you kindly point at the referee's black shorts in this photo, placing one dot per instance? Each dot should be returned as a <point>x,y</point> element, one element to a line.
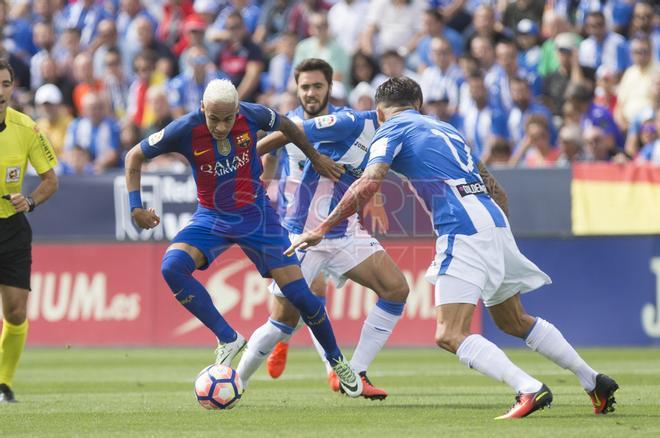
<point>15,251</point>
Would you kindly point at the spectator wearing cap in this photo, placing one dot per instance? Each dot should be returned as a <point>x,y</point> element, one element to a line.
<point>525,106</point>
<point>603,47</point>
<point>85,15</point>
<point>499,77</point>
<point>553,25</point>
<point>569,71</point>
<point>635,87</point>
<point>444,76</point>
<point>519,10</point>
<point>527,39</point>
<point>346,22</point>
<point>535,148</point>
<point>433,27</point>
<point>606,86</point>
<point>361,97</point>
<point>186,89</point>
<point>650,153</point>
<point>51,119</point>
<point>642,23</point>
<point>194,30</point>
<point>241,59</point>
<point>322,45</point>
<point>392,25</point>
<point>483,120</point>
<point>95,133</point>
<point>272,24</point>
<point>571,145</point>
<point>633,141</point>
<point>581,98</point>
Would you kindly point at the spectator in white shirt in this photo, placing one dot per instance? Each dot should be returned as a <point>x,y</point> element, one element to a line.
<point>346,21</point>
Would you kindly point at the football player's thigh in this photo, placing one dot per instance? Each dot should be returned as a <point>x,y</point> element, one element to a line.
<point>379,273</point>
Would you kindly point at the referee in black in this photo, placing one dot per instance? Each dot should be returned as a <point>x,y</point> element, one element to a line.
<point>20,142</point>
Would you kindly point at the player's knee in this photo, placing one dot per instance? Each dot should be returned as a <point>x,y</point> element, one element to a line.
<point>447,338</point>
<point>16,315</point>
<point>518,327</point>
<point>177,267</point>
<point>395,290</point>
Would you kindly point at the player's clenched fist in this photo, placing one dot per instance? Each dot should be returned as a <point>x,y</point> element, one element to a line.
<point>145,219</point>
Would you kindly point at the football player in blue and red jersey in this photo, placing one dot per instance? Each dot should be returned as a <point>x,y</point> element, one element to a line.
<point>219,141</point>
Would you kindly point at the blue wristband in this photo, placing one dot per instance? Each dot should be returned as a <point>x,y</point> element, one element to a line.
<point>134,199</point>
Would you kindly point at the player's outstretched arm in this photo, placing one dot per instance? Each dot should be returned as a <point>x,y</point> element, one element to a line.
<point>356,197</point>
<point>322,164</point>
<point>495,190</point>
<point>143,218</point>
<point>271,142</point>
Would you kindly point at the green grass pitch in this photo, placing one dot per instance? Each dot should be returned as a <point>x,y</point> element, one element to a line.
<point>149,392</point>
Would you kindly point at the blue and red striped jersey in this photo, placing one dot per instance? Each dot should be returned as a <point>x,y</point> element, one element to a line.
<point>226,171</point>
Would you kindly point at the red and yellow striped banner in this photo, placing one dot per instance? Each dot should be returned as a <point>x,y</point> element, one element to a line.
<point>615,199</point>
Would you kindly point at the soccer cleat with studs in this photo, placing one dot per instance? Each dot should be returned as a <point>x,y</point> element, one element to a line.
<point>369,390</point>
<point>527,403</point>
<point>602,396</point>
<point>225,353</point>
<point>276,362</point>
<point>333,381</point>
<point>6,394</point>
<point>349,381</point>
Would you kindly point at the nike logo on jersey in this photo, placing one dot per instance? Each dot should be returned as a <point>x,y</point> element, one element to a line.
<point>198,153</point>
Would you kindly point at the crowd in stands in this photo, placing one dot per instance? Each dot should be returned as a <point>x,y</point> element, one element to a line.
<point>529,83</point>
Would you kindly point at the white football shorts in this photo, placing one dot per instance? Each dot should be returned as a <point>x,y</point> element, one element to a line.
<point>487,264</point>
<point>334,257</point>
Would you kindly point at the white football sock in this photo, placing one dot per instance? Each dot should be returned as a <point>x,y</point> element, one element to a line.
<point>261,343</point>
<point>547,340</point>
<point>482,355</point>
<point>320,351</point>
<point>376,330</point>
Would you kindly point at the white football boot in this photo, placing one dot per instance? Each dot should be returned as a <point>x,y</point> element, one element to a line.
<point>349,381</point>
<point>225,353</point>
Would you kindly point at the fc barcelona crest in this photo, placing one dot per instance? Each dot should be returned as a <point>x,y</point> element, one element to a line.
<point>243,140</point>
<point>224,147</point>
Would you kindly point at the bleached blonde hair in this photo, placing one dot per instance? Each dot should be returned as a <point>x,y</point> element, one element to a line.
<point>220,90</point>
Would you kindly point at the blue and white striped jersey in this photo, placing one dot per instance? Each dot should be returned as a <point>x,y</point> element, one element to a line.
<point>345,137</point>
<point>441,169</point>
<point>291,164</point>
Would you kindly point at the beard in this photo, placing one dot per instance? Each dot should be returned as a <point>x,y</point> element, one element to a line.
<point>321,106</point>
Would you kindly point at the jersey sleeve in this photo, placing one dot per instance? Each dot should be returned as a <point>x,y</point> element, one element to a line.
<point>331,127</point>
<point>41,154</point>
<point>168,139</point>
<point>263,117</point>
<point>386,145</point>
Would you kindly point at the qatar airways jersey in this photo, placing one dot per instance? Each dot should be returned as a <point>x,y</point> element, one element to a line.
<point>441,169</point>
<point>291,164</point>
<point>226,171</point>
<point>345,137</point>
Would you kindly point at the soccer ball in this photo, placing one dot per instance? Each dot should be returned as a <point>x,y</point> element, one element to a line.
<point>218,387</point>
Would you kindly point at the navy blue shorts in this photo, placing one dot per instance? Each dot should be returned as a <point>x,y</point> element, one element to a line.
<point>256,230</point>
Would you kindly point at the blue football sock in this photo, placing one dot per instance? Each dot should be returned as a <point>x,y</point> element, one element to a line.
<point>177,269</point>
<point>313,313</point>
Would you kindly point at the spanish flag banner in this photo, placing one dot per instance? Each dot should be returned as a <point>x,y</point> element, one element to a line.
<point>615,199</point>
